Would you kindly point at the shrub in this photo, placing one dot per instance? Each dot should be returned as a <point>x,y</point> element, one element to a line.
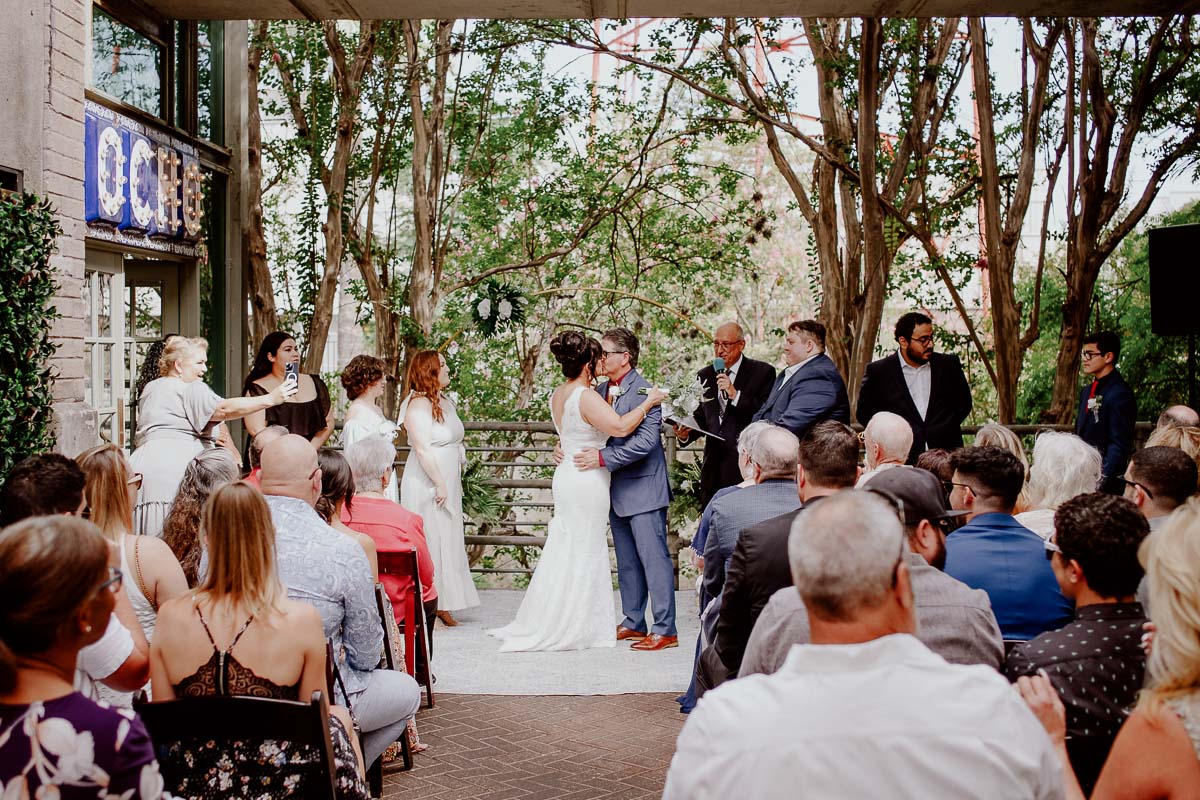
<point>28,230</point>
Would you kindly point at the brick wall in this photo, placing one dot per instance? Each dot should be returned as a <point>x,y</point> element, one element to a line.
<point>62,182</point>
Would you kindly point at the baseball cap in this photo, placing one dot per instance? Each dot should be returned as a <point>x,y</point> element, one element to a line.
<point>918,490</point>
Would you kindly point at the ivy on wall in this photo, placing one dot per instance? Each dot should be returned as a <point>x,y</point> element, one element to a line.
<point>28,229</point>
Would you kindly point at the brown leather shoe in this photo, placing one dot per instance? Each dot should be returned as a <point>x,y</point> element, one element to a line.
<point>447,619</point>
<point>656,641</point>
<point>624,633</point>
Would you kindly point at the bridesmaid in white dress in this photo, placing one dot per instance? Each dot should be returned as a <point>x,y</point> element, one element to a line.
<point>364,380</point>
<point>569,604</point>
<point>432,481</point>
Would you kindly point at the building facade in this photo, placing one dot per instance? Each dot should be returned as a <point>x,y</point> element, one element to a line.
<point>132,125</point>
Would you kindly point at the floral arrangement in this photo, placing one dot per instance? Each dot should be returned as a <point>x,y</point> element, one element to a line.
<point>685,509</point>
<point>496,307</point>
<point>685,393</point>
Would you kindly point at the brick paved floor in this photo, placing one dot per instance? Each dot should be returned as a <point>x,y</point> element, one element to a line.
<point>494,747</point>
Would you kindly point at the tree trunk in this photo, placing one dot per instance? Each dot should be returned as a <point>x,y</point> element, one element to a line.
<point>259,287</point>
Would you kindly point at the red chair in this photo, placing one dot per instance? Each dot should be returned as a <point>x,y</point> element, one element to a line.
<point>398,571</point>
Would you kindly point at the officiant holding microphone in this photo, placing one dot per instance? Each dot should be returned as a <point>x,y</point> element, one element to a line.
<point>736,387</point>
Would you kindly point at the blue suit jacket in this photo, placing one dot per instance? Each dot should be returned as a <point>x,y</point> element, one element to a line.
<point>996,553</point>
<point>636,461</point>
<point>815,393</point>
<point>1111,431</point>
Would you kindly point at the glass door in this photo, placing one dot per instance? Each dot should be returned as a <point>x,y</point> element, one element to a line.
<point>151,293</point>
<point>103,343</point>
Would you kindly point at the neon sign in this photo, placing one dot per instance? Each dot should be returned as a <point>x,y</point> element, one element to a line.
<point>141,187</point>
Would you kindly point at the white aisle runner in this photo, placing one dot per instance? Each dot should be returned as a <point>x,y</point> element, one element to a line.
<point>468,661</point>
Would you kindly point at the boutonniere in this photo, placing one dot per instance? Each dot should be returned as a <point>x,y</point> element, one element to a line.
<point>615,391</point>
<point>1093,405</point>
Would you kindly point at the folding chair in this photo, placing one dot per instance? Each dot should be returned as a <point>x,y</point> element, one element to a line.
<point>401,567</point>
<point>246,719</point>
<point>392,657</point>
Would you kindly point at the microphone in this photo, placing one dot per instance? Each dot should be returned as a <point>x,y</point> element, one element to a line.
<point>719,368</point>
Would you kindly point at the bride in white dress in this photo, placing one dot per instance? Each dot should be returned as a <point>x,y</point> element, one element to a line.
<point>569,603</point>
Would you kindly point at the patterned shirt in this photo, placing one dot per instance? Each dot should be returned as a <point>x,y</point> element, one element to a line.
<point>1096,663</point>
<point>330,572</point>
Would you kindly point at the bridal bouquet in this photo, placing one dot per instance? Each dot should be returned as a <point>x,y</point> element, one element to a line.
<point>684,394</point>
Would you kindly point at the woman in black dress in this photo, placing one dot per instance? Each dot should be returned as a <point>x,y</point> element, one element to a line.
<point>309,413</point>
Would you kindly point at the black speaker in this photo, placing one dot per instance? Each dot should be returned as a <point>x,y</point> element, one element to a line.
<point>1175,280</point>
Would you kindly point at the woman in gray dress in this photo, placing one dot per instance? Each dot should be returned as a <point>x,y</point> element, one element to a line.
<point>176,417</point>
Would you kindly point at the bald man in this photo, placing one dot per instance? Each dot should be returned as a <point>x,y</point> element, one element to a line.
<point>735,393</point>
<point>886,443</point>
<point>1178,417</point>
<point>329,571</point>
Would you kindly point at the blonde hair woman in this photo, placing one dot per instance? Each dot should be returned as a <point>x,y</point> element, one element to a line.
<point>177,414</point>
<point>240,634</point>
<point>1157,751</point>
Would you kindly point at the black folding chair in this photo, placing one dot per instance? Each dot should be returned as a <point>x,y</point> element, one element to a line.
<point>245,719</point>
<point>403,565</point>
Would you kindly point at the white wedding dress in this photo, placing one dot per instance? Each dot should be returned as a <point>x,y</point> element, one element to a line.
<point>569,603</point>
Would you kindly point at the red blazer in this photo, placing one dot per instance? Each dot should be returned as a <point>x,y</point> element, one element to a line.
<point>394,529</point>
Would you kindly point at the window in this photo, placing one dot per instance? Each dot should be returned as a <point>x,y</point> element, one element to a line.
<point>126,65</point>
<point>210,81</point>
<point>103,362</point>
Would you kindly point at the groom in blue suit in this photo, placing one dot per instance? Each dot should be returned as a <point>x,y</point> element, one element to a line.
<point>810,389</point>
<point>639,495</point>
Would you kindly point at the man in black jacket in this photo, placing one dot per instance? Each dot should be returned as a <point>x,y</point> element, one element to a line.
<point>928,389</point>
<point>1107,408</point>
<point>734,396</point>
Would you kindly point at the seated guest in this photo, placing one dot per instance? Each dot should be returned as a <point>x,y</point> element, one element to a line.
<point>154,575</point>
<point>774,492</point>
<point>57,593</point>
<point>337,491</point>
<point>322,567</point>
<point>886,442</point>
<point>1186,439</point>
<point>1064,466</point>
<point>996,553</point>
<point>1096,663</point>
<point>1178,417</point>
<point>937,461</point>
<point>205,473</point>
<point>240,634</point>
<point>995,435</point>
<point>745,444</point>
<point>1157,750</point>
<point>254,451</point>
<point>52,484</point>
<point>866,710</point>
<point>1159,480</point>
<point>828,463</point>
<point>953,620</point>
<point>393,528</point>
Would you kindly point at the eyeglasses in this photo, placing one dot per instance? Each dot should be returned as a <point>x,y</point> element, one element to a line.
<point>113,584</point>
<point>726,345</point>
<point>1088,355</point>
<point>608,353</point>
<point>924,341</point>
<point>1141,486</point>
<point>1051,549</point>
<point>135,480</point>
<point>966,486</point>
<point>313,474</point>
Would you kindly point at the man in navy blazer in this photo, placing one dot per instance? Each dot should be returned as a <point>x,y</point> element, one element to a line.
<point>928,389</point>
<point>1107,409</point>
<point>639,494</point>
<point>810,389</point>
<point>996,553</point>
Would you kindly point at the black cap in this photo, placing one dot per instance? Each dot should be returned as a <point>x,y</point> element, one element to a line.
<point>918,490</point>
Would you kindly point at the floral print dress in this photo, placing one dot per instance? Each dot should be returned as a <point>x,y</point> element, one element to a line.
<point>74,748</point>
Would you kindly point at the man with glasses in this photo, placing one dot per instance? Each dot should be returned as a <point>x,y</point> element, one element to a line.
<point>928,389</point>
<point>1107,408</point>
<point>1096,663</point>
<point>865,709</point>
<point>996,553</point>
<point>733,395</point>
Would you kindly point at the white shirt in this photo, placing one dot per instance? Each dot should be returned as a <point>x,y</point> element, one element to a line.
<point>732,370</point>
<point>102,657</point>
<point>871,473</point>
<point>794,368</point>
<point>886,718</point>
<point>917,379</point>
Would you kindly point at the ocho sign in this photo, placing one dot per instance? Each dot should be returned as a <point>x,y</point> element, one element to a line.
<point>141,187</point>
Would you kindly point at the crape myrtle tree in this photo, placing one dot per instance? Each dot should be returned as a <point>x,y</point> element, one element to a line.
<point>892,163</point>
